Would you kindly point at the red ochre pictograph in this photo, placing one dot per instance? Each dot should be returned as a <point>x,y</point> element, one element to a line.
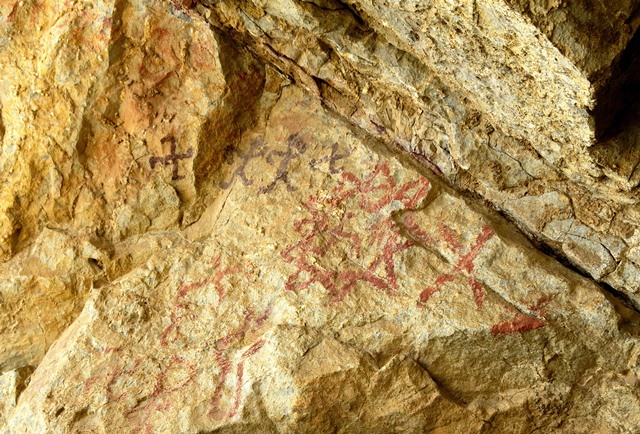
<point>464,265</point>
<point>182,373</point>
<point>182,309</point>
<point>524,323</point>
<point>177,372</point>
<point>328,239</point>
<point>465,258</point>
<point>14,10</point>
<point>127,372</point>
<point>84,31</point>
<point>224,346</point>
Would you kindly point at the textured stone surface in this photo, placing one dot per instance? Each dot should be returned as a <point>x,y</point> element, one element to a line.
<point>591,34</point>
<point>500,60</point>
<point>366,301</point>
<point>116,87</point>
<point>197,237</point>
<point>403,101</point>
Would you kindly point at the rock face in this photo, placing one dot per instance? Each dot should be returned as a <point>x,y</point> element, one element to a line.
<point>254,216</point>
<point>399,99</point>
<point>552,92</point>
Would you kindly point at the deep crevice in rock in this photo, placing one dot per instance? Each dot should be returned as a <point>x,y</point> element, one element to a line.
<point>617,103</point>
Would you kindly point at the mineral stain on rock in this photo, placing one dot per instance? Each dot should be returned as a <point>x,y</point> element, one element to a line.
<point>246,216</point>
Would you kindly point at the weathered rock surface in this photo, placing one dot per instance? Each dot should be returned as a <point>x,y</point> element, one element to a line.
<point>500,60</point>
<point>201,238</point>
<point>402,100</point>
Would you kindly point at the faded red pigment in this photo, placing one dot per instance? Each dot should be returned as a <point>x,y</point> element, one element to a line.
<point>250,325</point>
<point>524,323</point>
<point>161,398</point>
<point>14,11</point>
<point>182,309</point>
<point>327,237</point>
<point>464,262</point>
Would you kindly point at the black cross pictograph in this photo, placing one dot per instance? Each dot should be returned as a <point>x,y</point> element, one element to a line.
<point>172,158</point>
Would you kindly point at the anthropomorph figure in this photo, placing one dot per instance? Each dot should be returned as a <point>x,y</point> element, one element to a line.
<point>172,158</point>
<point>331,159</point>
<point>257,149</point>
<point>296,147</point>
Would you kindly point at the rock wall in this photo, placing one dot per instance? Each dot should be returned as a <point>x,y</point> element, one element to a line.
<point>399,99</point>
<point>291,217</point>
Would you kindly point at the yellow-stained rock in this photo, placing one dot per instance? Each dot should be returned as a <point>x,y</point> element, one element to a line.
<point>201,238</point>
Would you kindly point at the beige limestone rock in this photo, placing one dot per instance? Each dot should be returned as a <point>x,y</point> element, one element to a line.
<point>591,34</point>
<point>544,89</point>
<point>12,383</point>
<point>42,291</point>
<point>367,301</point>
<point>120,92</point>
<point>95,96</point>
<point>283,270</point>
<point>398,98</point>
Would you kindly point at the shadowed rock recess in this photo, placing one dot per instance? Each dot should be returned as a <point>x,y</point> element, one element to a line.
<point>319,216</point>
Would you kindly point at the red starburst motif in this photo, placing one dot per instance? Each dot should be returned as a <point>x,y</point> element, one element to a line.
<point>464,265</point>
<point>333,252</point>
<point>465,258</point>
